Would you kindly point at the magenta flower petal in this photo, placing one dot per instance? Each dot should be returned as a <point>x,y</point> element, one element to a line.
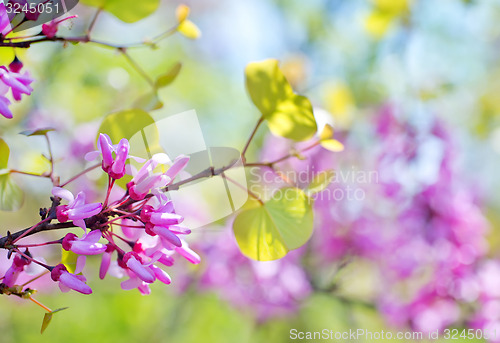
<point>161,274</point>
<point>168,235</point>
<point>105,262</point>
<point>131,283</point>
<point>72,281</point>
<point>188,254</point>
<point>166,219</point>
<point>63,194</point>
<point>106,150</point>
<point>179,164</point>
<point>4,107</point>
<point>144,273</point>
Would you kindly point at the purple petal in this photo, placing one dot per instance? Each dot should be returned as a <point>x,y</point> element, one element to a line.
<point>4,107</point>
<point>90,156</point>
<point>188,254</point>
<point>168,235</point>
<point>105,262</point>
<point>73,282</point>
<point>179,164</point>
<point>63,194</point>
<point>85,211</point>
<point>86,248</point>
<point>166,219</point>
<point>131,283</point>
<point>144,273</point>
<point>80,264</point>
<point>161,274</point>
<point>92,237</point>
<point>106,149</point>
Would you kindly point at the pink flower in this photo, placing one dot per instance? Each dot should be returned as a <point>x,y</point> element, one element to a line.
<point>106,261</point>
<point>69,281</point>
<point>76,210</point>
<point>145,179</point>
<point>159,221</point>
<point>179,164</point>
<point>134,262</point>
<point>50,29</point>
<point>17,82</point>
<point>135,282</point>
<point>17,267</point>
<point>113,165</point>
<point>4,107</point>
<point>87,245</point>
<point>5,27</point>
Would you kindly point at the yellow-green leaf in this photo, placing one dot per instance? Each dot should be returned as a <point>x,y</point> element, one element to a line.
<point>320,181</point>
<point>48,317</point>
<point>11,196</point>
<point>288,115</point>
<point>332,145</point>
<point>125,124</point>
<point>38,132</point>
<point>46,321</point>
<point>128,11</point>
<point>182,12</point>
<point>68,258</point>
<point>270,231</point>
<point>189,29</point>
<point>326,133</point>
<point>4,154</point>
<point>169,77</point>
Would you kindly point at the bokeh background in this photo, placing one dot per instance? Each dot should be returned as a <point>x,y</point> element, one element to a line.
<point>411,88</point>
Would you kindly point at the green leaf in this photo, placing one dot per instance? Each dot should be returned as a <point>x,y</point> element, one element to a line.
<point>125,124</point>
<point>148,102</point>
<point>48,317</point>
<point>289,115</point>
<point>169,77</point>
<point>4,154</point>
<point>68,258</point>
<point>270,231</point>
<point>320,181</point>
<point>11,196</point>
<point>128,11</point>
<point>46,321</point>
<point>38,132</point>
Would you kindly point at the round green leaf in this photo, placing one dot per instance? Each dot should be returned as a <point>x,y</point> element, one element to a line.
<point>270,231</point>
<point>289,115</point>
<point>125,124</point>
<point>128,11</point>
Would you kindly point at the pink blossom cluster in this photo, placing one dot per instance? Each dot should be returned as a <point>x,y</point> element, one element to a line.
<point>271,288</point>
<point>18,83</point>
<point>419,223</point>
<point>136,236</point>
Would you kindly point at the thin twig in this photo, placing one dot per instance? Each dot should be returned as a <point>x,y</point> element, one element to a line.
<point>252,135</point>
